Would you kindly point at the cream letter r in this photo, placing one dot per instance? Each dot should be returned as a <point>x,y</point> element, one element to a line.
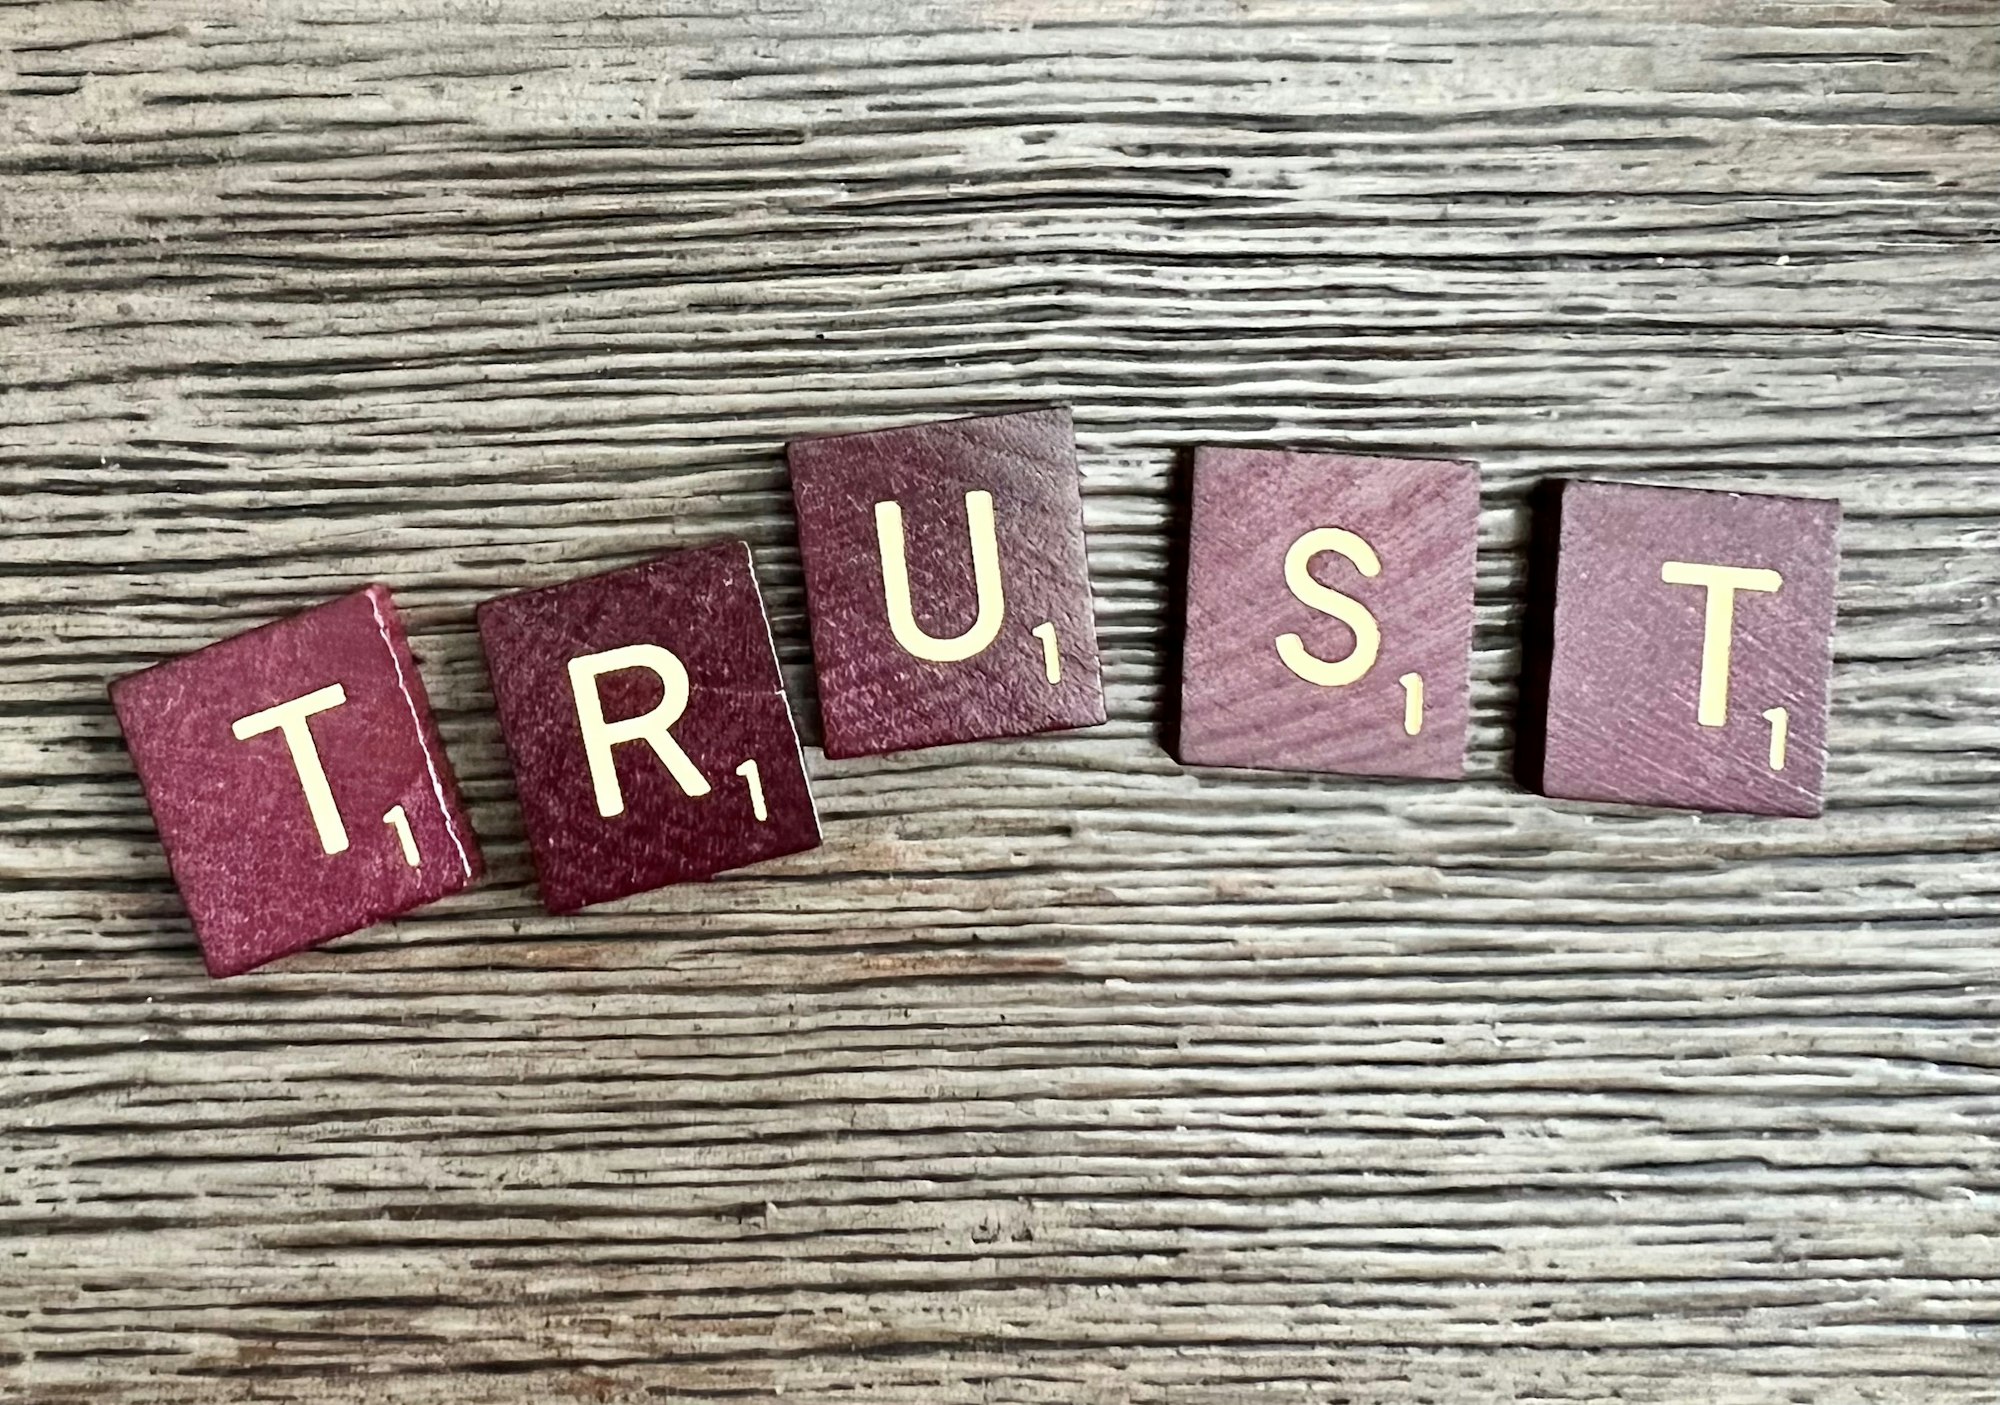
<point>651,727</point>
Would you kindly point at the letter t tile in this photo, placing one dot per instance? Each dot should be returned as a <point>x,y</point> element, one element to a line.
<point>1690,649</point>
<point>297,781</point>
<point>647,725</point>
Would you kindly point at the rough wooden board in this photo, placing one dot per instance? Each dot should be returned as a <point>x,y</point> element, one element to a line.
<point>1058,1075</point>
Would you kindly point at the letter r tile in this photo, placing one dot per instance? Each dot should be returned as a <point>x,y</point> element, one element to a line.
<point>647,725</point>
<point>1690,648</point>
<point>1329,613</point>
<point>946,582</point>
<point>297,781</point>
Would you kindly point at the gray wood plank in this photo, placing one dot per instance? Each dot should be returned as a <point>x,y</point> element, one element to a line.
<point>1060,1073</point>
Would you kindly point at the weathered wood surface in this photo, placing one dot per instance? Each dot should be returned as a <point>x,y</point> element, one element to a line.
<point>1059,1074</point>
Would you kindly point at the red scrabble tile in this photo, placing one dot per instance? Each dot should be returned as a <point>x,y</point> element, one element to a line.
<point>297,781</point>
<point>1329,613</point>
<point>647,725</point>
<point>946,582</point>
<point>1691,638</point>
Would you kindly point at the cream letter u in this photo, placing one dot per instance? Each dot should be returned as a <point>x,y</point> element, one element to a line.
<point>985,581</point>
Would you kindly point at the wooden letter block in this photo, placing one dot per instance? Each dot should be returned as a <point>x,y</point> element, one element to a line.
<point>946,582</point>
<point>1329,613</point>
<point>297,781</point>
<point>647,725</point>
<point>1690,654</point>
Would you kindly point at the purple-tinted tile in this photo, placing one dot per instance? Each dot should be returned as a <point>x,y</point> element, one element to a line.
<point>297,781</point>
<point>1691,641</point>
<point>647,725</point>
<point>946,582</point>
<point>1329,613</point>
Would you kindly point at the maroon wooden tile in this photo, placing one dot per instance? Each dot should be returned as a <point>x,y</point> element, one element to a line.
<point>646,721</point>
<point>1691,642</point>
<point>1329,613</point>
<point>297,781</point>
<point>946,582</point>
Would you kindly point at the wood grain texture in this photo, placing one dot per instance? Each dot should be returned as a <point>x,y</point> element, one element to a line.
<point>1058,1074</point>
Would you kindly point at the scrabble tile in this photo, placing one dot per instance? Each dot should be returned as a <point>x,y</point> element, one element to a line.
<point>1329,613</point>
<point>1690,648</point>
<point>297,781</point>
<point>946,582</point>
<point>647,725</point>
